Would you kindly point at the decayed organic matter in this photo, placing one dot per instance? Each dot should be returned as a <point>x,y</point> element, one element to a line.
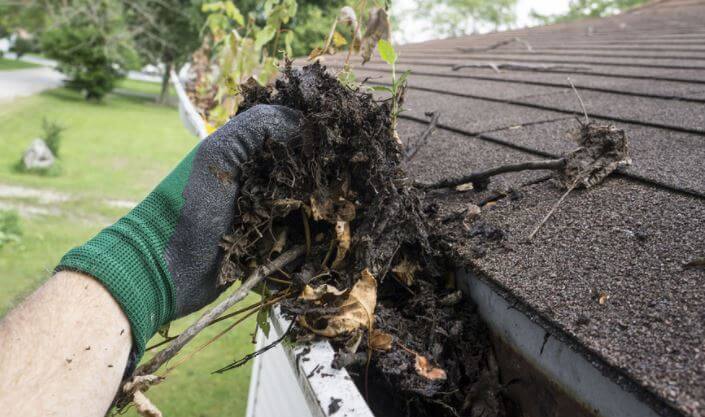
<point>361,269</point>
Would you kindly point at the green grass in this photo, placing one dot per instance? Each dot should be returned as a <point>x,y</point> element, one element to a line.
<point>143,87</point>
<point>13,64</point>
<point>119,150</point>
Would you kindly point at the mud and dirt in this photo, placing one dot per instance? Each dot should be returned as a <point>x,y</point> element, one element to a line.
<point>340,189</point>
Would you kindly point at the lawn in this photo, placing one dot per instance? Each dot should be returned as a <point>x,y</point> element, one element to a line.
<point>13,64</point>
<point>112,155</point>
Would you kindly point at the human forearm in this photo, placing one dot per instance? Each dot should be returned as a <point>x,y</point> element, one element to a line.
<point>64,350</point>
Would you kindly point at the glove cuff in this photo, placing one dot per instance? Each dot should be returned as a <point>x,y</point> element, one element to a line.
<point>140,284</point>
<point>128,257</point>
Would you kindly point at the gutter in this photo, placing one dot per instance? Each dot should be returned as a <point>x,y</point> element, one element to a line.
<point>299,381</point>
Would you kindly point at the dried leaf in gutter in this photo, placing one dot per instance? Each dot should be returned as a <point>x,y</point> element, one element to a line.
<point>355,312</point>
<point>278,246</point>
<point>404,272</point>
<point>342,234</point>
<point>380,340</point>
<point>317,294</point>
<point>377,28</point>
<point>425,369</point>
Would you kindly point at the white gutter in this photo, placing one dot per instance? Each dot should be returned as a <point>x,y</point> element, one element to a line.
<point>571,370</point>
<point>299,381</point>
<point>193,121</point>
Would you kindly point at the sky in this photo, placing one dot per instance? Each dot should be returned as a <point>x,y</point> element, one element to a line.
<point>413,29</point>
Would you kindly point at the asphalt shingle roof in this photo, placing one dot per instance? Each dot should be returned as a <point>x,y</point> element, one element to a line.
<point>628,237</point>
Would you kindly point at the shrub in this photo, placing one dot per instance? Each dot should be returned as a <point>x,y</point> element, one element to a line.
<point>10,230</point>
<point>90,44</point>
<point>52,135</point>
<point>22,46</point>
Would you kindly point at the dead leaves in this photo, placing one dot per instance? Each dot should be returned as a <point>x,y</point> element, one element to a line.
<point>354,309</point>
<point>404,272</point>
<point>342,234</point>
<point>380,340</point>
<point>424,368</point>
<point>377,28</point>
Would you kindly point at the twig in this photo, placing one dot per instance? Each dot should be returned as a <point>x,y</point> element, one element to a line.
<point>526,44</point>
<point>550,212</point>
<point>482,176</point>
<point>587,119</point>
<point>423,139</point>
<point>255,278</point>
<point>238,363</point>
<point>516,66</point>
<point>307,231</point>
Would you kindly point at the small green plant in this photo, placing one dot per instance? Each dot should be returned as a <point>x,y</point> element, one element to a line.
<point>52,135</point>
<point>388,55</point>
<point>10,230</point>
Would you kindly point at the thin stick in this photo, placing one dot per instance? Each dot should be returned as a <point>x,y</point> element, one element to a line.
<point>519,66</point>
<point>423,139</point>
<point>550,164</point>
<point>526,44</point>
<point>587,119</point>
<point>550,212</point>
<point>307,231</point>
<point>255,278</point>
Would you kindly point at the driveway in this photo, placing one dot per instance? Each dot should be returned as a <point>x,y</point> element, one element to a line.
<point>21,83</point>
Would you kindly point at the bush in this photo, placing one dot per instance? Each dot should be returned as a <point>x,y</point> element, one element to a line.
<point>22,46</point>
<point>10,230</point>
<point>52,135</point>
<point>88,40</point>
<point>83,59</point>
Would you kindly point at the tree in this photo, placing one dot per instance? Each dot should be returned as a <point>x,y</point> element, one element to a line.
<point>579,9</point>
<point>165,32</point>
<point>460,17</point>
<point>89,40</point>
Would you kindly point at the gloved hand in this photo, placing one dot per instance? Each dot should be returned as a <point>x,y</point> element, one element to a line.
<point>160,261</point>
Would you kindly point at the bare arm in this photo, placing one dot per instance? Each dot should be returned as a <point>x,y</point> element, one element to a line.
<point>63,351</point>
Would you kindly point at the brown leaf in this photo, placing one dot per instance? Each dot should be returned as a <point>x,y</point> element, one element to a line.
<point>322,209</point>
<point>315,294</point>
<point>404,272</point>
<point>342,234</point>
<point>377,28</point>
<point>356,311</point>
<point>380,340</point>
<point>425,369</point>
<point>315,53</point>
<point>278,245</point>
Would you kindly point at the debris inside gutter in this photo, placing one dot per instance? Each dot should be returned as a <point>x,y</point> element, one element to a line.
<point>373,279</point>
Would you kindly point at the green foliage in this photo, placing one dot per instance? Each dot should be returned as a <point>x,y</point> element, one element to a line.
<point>389,55</point>
<point>10,230</point>
<point>579,9</point>
<point>52,135</point>
<point>245,49</point>
<point>164,32</point>
<point>460,17</point>
<point>89,41</point>
<point>23,45</point>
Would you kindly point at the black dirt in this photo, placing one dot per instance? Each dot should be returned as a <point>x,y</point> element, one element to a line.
<point>346,167</point>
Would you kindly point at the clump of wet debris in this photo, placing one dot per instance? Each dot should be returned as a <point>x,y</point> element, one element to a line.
<point>373,279</point>
<point>370,282</point>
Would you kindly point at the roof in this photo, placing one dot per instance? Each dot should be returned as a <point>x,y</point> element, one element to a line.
<point>629,237</point>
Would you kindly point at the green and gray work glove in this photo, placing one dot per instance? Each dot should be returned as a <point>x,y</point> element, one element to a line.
<point>160,261</point>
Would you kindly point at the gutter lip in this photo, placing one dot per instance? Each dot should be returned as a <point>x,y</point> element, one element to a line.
<point>620,377</point>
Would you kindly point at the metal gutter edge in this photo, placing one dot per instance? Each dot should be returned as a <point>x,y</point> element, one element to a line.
<point>311,373</point>
<point>189,116</point>
<point>557,360</point>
